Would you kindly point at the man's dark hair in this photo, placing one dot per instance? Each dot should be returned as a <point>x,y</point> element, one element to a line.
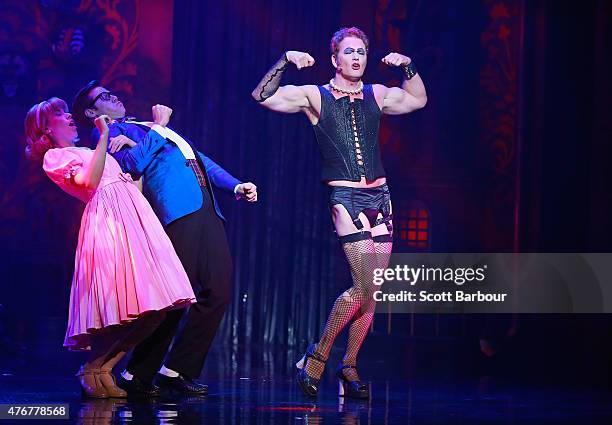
<point>81,103</point>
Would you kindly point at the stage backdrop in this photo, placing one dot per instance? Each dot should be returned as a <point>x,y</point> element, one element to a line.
<point>204,58</point>
<point>445,172</point>
<point>52,48</point>
<point>499,160</point>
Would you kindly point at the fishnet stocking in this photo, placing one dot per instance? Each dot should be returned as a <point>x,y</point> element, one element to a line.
<point>383,249</point>
<point>349,302</point>
<point>360,326</point>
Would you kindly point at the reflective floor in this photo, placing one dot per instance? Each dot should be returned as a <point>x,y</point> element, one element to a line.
<point>265,400</point>
<point>256,386</point>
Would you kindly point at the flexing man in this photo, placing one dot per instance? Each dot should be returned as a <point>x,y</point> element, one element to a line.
<point>345,115</point>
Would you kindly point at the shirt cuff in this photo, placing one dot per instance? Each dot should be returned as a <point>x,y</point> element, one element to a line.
<point>159,130</point>
<point>238,197</point>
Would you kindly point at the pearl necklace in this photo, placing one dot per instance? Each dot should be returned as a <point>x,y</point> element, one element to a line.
<point>358,90</point>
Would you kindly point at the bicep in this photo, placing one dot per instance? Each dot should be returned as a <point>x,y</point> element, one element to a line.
<point>397,101</point>
<point>288,99</point>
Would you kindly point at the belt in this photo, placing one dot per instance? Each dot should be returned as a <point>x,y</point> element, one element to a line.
<point>197,170</point>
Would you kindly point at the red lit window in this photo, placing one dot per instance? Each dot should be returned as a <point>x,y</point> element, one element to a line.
<point>412,224</point>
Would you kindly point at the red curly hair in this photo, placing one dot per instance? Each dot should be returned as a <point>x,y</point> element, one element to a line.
<point>36,121</point>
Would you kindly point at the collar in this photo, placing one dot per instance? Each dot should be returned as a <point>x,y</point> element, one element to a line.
<point>124,119</point>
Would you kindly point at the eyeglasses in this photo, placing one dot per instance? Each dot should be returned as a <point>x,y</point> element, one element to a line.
<point>105,96</point>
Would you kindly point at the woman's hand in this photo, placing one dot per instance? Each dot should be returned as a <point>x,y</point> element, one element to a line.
<point>102,123</point>
<point>90,175</point>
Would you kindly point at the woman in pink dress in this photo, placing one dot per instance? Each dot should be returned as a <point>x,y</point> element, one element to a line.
<point>126,272</point>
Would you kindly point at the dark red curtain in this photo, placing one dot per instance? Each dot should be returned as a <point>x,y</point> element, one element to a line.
<point>287,262</point>
<point>566,90</point>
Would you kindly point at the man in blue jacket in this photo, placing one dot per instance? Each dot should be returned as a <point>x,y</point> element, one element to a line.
<point>177,181</point>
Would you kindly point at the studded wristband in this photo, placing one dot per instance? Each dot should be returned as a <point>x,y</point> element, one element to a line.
<point>410,70</point>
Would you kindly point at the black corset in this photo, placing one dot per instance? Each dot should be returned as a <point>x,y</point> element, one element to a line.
<point>347,134</point>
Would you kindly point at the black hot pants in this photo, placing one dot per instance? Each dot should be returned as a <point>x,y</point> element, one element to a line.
<point>370,201</point>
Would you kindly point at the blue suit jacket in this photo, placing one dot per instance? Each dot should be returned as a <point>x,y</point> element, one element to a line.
<point>169,185</point>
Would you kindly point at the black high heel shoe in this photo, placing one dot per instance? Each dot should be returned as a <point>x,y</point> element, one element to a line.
<point>308,384</point>
<point>352,389</point>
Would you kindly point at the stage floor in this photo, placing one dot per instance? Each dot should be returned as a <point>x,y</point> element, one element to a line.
<point>412,382</point>
<point>266,400</point>
<point>260,398</point>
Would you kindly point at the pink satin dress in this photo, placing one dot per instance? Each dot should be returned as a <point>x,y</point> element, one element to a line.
<point>125,264</point>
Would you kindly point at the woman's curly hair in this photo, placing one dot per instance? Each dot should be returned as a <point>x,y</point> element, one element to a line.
<point>35,124</point>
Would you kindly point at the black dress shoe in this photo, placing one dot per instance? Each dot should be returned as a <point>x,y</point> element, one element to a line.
<point>135,387</point>
<point>181,384</point>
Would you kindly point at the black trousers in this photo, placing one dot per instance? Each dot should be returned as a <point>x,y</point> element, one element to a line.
<point>201,244</point>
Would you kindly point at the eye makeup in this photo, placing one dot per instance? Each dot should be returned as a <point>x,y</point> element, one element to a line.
<point>349,50</point>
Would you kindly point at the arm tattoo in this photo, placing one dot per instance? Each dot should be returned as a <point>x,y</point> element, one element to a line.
<point>271,81</point>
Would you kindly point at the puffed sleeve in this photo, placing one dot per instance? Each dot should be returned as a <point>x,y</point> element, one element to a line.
<point>61,165</point>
